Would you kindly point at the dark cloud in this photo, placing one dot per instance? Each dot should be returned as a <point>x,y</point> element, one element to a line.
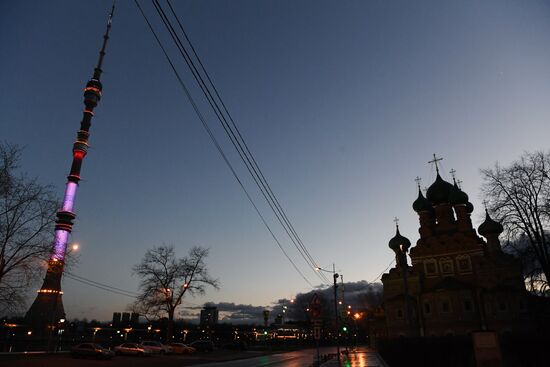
<point>239,313</point>
<point>360,295</point>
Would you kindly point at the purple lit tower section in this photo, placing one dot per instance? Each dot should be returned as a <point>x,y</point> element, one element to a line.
<point>47,309</point>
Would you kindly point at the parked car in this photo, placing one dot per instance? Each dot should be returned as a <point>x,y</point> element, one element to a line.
<point>132,349</point>
<point>180,348</point>
<point>203,345</point>
<point>156,347</point>
<point>91,350</point>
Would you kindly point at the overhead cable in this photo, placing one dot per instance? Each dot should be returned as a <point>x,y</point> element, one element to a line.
<point>236,139</point>
<point>216,143</point>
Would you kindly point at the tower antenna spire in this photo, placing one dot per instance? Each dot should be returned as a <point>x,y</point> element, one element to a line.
<point>47,309</point>
<point>97,70</point>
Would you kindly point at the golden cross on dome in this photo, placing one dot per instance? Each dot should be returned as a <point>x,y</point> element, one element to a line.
<point>396,221</point>
<point>434,161</point>
<point>453,173</point>
<point>418,180</point>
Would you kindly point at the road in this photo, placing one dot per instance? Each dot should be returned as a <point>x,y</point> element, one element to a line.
<point>303,358</point>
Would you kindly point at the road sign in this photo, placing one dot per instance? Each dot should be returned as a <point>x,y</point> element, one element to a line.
<point>316,332</point>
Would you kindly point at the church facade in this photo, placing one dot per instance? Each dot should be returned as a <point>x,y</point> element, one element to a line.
<point>457,282</point>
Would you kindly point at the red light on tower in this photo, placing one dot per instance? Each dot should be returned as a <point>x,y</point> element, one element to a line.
<point>48,305</point>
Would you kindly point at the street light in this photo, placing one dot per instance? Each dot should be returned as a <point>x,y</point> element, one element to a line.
<point>335,277</point>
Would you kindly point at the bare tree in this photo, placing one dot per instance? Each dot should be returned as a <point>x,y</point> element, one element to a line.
<point>27,211</point>
<point>520,195</point>
<point>165,279</point>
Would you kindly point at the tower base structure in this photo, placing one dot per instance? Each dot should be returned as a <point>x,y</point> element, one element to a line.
<point>47,309</point>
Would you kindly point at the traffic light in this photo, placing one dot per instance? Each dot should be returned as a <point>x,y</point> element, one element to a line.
<point>265,332</point>
<point>344,328</point>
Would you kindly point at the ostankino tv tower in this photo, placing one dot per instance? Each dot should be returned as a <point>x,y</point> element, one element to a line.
<point>47,308</point>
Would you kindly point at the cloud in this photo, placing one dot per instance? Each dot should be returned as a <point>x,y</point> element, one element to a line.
<point>361,295</point>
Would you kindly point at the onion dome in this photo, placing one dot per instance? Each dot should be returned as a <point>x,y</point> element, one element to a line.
<point>490,226</point>
<point>458,196</point>
<point>469,207</point>
<point>398,242</point>
<point>440,191</point>
<point>421,204</point>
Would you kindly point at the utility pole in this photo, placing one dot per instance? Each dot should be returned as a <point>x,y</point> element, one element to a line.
<point>335,276</point>
<point>344,310</point>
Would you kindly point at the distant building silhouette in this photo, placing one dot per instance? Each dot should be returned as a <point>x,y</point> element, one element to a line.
<point>458,282</point>
<point>125,319</point>
<point>116,319</point>
<point>209,316</point>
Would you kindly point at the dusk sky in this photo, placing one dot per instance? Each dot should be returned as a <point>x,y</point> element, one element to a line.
<point>343,104</point>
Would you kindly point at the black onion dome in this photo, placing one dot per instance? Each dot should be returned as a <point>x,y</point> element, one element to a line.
<point>469,207</point>
<point>440,191</point>
<point>399,242</point>
<point>458,196</point>
<point>489,226</point>
<point>421,204</point>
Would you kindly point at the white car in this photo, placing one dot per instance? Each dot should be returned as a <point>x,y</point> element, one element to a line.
<point>132,349</point>
<point>156,347</point>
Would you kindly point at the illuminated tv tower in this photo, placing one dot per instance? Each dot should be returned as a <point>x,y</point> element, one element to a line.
<point>47,308</point>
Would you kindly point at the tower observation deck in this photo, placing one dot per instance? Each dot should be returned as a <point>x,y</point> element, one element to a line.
<point>47,309</point>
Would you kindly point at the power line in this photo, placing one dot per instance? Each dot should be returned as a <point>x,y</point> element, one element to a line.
<point>109,288</point>
<point>383,271</point>
<point>254,163</point>
<point>236,139</point>
<point>99,287</point>
<point>231,135</point>
<point>99,284</point>
<point>215,141</point>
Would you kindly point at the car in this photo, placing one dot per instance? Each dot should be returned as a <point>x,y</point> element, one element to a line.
<point>132,349</point>
<point>156,347</point>
<point>180,348</point>
<point>203,345</point>
<point>91,350</point>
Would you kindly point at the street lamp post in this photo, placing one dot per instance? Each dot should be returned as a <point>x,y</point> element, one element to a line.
<point>335,278</point>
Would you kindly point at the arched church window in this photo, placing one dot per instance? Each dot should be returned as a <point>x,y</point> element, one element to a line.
<point>430,267</point>
<point>463,263</point>
<point>446,266</point>
<point>427,308</point>
<point>446,305</point>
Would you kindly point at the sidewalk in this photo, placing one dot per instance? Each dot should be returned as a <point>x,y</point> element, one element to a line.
<point>361,357</point>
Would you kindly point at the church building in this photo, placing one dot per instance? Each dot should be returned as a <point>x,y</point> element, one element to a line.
<point>458,282</point>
